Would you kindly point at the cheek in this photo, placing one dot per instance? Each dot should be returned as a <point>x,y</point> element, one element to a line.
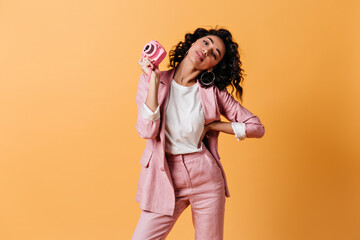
<point>211,62</point>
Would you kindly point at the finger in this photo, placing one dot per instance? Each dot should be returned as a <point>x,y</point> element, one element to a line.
<point>151,62</point>
<point>145,63</point>
<point>148,63</point>
<point>149,59</point>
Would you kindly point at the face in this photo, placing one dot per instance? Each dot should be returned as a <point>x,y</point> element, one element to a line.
<point>206,52</point>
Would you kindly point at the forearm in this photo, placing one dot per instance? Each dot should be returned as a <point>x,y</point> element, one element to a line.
<point>152,96</point>
<point>221,127</point>
<point>233,128</point>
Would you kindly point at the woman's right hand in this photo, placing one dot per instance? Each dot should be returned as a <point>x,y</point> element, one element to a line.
<point>145,63</point>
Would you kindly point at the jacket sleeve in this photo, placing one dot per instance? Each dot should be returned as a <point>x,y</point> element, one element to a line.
<point>233,111</point>
<point>147,127</point>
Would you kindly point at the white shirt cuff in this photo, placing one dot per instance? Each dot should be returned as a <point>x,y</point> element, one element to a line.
<point>239,130</point>
<point>148,114</point>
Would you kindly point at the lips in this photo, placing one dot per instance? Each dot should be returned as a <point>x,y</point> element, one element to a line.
<point>201,57</point>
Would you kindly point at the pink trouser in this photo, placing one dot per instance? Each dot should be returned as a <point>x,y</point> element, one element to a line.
<point>197,181</point>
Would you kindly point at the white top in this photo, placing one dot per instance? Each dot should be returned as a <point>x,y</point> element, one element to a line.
<point>184,122</point>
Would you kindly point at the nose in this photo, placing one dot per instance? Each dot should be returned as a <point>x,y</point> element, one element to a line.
<point>205,51</point>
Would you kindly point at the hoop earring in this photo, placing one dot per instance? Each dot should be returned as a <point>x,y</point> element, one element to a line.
<point>207,83</point>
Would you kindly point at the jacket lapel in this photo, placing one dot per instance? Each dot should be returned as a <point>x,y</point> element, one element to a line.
<point>209,104</point>
<point>165,80</point>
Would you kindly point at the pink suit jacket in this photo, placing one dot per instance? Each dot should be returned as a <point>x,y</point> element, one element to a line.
<point>155,190</point>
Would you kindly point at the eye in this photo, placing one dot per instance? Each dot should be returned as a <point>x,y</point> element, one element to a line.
<point>214,55</point>
<point>205,42</point>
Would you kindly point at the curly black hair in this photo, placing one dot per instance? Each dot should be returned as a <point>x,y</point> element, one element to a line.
<point>227,72</point>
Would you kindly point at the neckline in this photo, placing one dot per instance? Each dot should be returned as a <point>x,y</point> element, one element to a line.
<point>184,87</point>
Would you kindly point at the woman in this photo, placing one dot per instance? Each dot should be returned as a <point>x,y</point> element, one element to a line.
<point>179,115</point>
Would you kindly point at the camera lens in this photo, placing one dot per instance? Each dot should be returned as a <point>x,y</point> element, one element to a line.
<point>150,49</point>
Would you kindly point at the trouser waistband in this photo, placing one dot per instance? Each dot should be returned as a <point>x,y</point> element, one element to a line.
<point>186,156</point>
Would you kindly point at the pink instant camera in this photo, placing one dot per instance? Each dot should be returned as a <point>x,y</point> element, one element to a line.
<point>155,52</point>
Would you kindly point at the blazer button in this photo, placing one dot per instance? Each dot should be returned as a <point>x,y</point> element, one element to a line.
<point>161,168</point>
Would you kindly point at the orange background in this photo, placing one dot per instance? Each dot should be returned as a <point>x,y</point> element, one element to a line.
<point>69,148</point>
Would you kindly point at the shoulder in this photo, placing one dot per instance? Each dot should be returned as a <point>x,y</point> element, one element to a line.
<point>221,94</point>
<point>224,99</point>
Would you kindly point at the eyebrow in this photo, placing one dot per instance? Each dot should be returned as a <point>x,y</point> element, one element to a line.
<point>213,43</point>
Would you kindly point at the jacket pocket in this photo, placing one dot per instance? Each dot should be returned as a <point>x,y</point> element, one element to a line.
<point>145,158</point>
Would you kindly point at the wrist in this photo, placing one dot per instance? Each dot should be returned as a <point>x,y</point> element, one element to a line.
<point>209,126</point>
